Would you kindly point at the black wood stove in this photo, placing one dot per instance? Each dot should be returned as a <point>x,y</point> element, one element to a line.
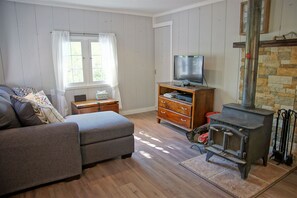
<point>241,133</point>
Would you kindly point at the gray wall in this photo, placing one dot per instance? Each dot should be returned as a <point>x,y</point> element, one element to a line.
<point>211,30</point>
<point>25,44</point>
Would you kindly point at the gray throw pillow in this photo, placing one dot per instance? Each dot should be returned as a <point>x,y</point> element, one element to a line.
<point>25,113</point>
<point>8,119</point>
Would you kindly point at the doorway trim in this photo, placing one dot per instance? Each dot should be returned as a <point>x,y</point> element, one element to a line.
<point>165,24</point>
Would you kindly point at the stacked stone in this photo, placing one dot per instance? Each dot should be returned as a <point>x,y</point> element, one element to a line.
<point>277,78</point>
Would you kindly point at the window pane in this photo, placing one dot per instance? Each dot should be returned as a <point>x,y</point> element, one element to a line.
<point>95,48</point>
<point>75,66</point>
<point>98,74</point>
<point>69,76</point>
<point>78,76</point>
<point>75,48</point>
<point>76,62</point>
<point>96,61</point>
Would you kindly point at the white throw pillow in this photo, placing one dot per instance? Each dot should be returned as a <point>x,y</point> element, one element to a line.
<point>45,106</point>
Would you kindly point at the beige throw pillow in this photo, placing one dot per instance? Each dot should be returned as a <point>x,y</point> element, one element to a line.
<point>45,106</point>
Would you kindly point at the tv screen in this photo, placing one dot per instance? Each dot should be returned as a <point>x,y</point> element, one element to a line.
<point>189,68</point>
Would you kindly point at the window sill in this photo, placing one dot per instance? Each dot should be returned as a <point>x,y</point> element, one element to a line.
<point>85,87</point>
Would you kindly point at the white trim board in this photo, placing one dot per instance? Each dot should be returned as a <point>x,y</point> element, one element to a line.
<point>196,5</point>
<point>170,24</point>
<point>81,7</point>
<point>135,111</point>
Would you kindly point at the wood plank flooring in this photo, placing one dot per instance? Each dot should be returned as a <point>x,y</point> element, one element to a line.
<point>153,170</point>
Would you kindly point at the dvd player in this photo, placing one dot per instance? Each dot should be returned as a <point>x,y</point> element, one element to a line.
<point>185,97</point>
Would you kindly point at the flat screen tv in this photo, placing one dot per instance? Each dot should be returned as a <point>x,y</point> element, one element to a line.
<point>189,68</point>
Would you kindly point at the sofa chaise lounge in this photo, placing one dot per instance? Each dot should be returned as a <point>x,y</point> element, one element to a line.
<point>35,155</point>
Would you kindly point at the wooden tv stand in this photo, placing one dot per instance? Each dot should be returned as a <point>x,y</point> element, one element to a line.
<point>183,114</point>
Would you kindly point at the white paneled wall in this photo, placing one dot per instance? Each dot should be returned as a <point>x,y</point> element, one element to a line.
<point>25,43</point>
<point>211,30</point>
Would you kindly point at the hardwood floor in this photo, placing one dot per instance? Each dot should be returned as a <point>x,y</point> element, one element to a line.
<point>152,171</point>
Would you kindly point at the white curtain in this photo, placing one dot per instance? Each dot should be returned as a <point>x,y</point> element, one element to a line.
<point>61,51</point>
<point>108,44</point>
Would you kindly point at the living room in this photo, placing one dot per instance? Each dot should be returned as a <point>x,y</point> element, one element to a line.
<point>148,35</point>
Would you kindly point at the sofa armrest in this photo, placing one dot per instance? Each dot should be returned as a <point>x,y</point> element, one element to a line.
<point>30,156</point>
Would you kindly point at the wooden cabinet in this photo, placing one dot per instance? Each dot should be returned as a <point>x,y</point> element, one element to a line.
<point>186,115</point>
<point>91,106</point>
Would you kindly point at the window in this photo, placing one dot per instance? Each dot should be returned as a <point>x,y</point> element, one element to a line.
<point>85,62</point>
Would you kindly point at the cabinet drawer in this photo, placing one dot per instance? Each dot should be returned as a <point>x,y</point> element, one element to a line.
<point>88,110</point>
<point>176,118</point>
<point>110,107</point>
<point>175,106</point>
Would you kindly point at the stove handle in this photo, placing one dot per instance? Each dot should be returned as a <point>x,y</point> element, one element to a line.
<point>227,129</point>
<point>215,129</point>
<point>228,133</point>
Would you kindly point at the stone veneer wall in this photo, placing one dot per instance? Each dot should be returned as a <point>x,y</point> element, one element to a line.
<point>277,78</point>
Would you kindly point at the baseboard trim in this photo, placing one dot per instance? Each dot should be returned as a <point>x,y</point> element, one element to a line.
<point>135,111</point>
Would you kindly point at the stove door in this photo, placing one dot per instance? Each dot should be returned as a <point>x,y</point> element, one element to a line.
<point>227,139</point>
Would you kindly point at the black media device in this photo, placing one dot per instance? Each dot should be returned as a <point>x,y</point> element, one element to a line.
<point>185,97</point>
<point>189,68</point>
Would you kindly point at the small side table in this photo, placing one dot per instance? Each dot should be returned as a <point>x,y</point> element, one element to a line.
<point>90,106</point>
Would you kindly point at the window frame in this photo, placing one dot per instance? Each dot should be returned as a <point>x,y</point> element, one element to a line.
<point>86,62</point>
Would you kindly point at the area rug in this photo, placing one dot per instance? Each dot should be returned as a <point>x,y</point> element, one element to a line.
<point>226,176</point>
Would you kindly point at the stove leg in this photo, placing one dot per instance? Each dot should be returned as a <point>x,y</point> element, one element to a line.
<point>208,155</point>
<point>244,170</point>
<point>265,159</point>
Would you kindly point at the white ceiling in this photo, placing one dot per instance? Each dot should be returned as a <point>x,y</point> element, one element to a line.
<point>142,7</point>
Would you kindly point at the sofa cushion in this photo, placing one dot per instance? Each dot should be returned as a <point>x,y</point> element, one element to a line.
<point>7,89</point>
<point>25,113</point>
<point>8,118</point>
<point>4,95</point>
<point>101,126</point>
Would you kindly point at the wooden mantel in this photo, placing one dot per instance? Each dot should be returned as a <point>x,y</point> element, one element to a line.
<point>270,43</point>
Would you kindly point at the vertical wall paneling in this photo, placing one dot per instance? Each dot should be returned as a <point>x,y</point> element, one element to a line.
<point>140,51</point>
<point>129,83</point>
<point>216,69</point>
<point>162,56</point>
<point>193,38</point>
<point>91,22</point>
<point>274,20</point>
<point>76,20</point>
<point>61,18</point>
<point>29,45</point>
<point>118,29</point>
<point>183,33</point>
<point>205,37</point>
<point>25,43</point>
<point>289,16</point>
<point>232,64</point>
<point>175,33</point>
<point>105,21</point>
<point>149,65</point>
<point>10,45</point>
<point>2,80</point>
<point>44,23</point>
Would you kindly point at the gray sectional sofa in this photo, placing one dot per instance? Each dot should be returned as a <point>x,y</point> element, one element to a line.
<point>40,154</point>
